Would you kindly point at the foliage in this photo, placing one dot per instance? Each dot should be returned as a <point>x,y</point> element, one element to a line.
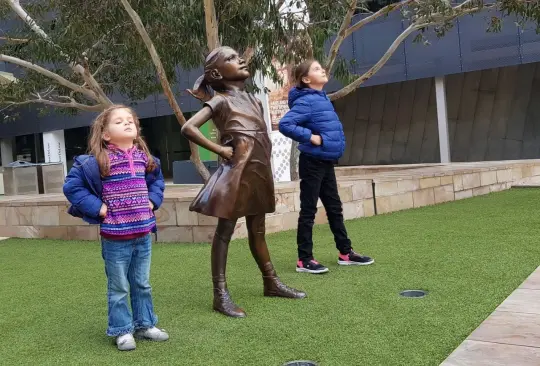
<point>100,36</point>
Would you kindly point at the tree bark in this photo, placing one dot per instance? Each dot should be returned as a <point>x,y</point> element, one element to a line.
<point>295,153</point>
<point>293,165</point>
<point>212,30</point>
<point>195,157</point>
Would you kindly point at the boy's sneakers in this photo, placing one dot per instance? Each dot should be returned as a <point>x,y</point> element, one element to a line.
<point>153,334</point>
<point>311,266</point>
<point>126,342</point>
<point>354,259</point>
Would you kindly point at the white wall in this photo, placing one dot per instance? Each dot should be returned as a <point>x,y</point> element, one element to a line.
<point>54,148</point>
<point>6,149</point>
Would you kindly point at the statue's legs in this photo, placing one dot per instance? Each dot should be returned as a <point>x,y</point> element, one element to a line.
<point>257,243</point>
<point>220,247</point>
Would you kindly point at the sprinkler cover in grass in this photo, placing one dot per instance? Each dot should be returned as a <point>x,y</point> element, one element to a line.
<point>413,293</point>
<point>300,363</point>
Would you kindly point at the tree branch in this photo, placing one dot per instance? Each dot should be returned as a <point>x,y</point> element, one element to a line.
<point>463,4</point>
<point>383,11</point>
<point>71,104</point>
<point>99,41</point>
<point>248,54</point>
<point>15,40</point>
<point>51,75</point>
<point>419,24</point>
<point>18,9</point>
<point>165,84</point>
<point>77,68</point>
<point>342,33</point>
<point>212,31</point>
<point>100,67</point>
<point>346,29</point>
<point>382,61</point>
<point>91,81</point>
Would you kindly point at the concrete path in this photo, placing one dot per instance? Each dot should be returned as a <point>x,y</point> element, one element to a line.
<point>510,336</point>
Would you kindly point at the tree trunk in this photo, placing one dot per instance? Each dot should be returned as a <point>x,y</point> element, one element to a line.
<point>195,157</point>
<point>212,31</point>
<point>295,155</point>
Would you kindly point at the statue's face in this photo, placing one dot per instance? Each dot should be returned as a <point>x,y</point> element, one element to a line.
<point>231,66</point>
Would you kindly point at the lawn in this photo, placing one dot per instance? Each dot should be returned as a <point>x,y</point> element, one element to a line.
<point>469,255</point>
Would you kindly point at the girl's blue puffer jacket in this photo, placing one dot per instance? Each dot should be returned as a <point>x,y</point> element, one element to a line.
<point>311,112</point>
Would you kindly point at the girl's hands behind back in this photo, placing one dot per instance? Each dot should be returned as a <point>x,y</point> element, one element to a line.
<point>316,140</point>
<point>103,211</point>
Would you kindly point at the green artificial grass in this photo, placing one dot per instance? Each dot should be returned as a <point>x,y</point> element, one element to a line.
<point>469,255</point>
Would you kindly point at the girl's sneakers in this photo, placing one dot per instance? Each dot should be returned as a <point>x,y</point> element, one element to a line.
<point>126,342</point>
<point>351,259</point>
<point>153,334</point>
<point>310,266</point>
<point>354,259</point>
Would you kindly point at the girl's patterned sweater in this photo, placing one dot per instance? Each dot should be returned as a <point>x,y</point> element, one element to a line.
<point>125,194</point>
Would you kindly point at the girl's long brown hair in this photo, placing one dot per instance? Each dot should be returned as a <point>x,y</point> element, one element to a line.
<point>301,71</point>
<point>98,147</point>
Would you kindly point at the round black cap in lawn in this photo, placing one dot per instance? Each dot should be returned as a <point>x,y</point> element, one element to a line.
<point>413,293</point>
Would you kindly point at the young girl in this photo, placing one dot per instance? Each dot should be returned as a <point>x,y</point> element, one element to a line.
<point>313,122</point>
<point>118,186</point>
<point>243,184</point>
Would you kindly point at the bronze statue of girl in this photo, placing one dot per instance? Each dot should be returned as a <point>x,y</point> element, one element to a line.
<point>243,185</point>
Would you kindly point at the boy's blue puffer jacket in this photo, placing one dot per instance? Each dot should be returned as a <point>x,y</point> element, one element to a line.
<point>311,112</point>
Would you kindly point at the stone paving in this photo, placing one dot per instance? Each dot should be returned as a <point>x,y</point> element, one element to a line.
<point>510,336</point>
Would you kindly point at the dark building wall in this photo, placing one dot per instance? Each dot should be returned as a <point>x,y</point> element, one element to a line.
<point>465,47</point>
<point>492,114</point>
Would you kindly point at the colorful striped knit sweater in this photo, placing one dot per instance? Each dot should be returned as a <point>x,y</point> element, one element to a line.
<point>125,194</point>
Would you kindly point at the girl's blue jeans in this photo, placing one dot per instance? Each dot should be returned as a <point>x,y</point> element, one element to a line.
<point>127,266</point>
